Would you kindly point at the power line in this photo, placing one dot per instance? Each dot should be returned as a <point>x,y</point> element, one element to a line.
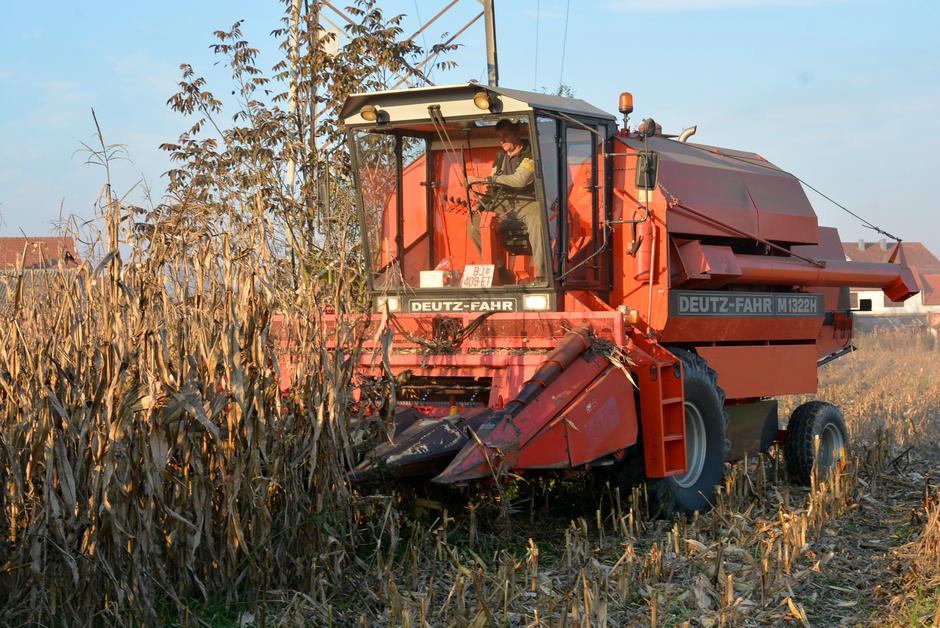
<point>424,38</point>
<point>433,55</point>
<point>403,79</point>
<point>564,46</point>
<point>864,222</point>
<point>432,20</point>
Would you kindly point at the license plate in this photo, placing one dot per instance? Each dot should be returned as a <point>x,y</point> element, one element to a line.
<point>478,276</point>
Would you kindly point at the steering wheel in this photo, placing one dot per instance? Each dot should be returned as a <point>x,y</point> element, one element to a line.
<point>494,191</point>
<point>471,186</point>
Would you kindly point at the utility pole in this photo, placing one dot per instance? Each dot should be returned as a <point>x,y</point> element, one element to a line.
<point>492,63</point>
<point>293,54</point>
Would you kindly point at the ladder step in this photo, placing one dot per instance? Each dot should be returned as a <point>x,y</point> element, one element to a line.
<point>672,437</point>
<point>672,400</point>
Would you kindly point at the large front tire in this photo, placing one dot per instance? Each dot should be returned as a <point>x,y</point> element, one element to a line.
<point>705,425</point>
<point>812,419</point>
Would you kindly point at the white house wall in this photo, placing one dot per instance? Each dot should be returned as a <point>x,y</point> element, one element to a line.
<point>914,305</point>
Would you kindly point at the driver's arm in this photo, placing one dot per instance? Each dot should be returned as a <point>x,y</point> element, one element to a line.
<point>523,176</point>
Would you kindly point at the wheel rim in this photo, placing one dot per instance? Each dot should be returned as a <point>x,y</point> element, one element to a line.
<point>831,445</point>
<point>696,446</point>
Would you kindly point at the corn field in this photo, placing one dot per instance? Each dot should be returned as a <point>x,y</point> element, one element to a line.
<point>148,456</point>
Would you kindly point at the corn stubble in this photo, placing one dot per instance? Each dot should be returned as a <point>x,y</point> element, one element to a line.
<point>857,547</point>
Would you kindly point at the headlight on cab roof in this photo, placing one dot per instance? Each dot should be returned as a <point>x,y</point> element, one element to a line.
<point>392,303</point>
<point>536,302</point>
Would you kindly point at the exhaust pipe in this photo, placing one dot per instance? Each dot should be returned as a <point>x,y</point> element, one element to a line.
<point>687,133</point>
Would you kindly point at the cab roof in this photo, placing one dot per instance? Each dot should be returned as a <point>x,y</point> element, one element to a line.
<point>511,101</point>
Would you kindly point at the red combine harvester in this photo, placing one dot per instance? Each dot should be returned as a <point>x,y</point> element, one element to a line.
<point>622,299</point>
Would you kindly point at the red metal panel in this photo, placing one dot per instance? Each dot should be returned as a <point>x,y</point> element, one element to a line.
<point>513,433</point>
<point>703,178</point>
<point>661,408</point>
<point>691,259</point>
<point>747,372</point>
<point>717,192</point>
<point>504,330</point>
<point>603,420</point>
<point>469,361</point>
<point>784,212</point>
<point>704,266</point>
<point>740,189</point>
<point>509,330</point>
<point>708,329</point>
<point>559,394</point>
<point>720,260</point>
<point>548,450</point>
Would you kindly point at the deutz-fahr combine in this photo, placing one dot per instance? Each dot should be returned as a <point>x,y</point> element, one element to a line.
<point>680,289</point>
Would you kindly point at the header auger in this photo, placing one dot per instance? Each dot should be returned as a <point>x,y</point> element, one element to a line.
<point>686,287</point>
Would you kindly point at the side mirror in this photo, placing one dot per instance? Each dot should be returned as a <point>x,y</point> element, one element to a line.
<point>647,167</point>
<point>864,305</point>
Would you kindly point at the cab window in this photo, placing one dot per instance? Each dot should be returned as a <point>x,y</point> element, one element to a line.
<point>452,206</point>
<point>581,261</point>
<point>548,129</point>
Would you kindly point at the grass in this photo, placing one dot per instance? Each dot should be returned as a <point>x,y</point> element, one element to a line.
<point>924,607</point>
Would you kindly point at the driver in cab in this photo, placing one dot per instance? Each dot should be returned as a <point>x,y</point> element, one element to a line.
<point>512,198</point>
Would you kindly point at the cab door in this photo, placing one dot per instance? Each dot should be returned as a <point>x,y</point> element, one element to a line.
<point>585,263</point>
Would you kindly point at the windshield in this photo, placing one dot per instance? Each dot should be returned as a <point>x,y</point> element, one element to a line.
<point>452,205</point>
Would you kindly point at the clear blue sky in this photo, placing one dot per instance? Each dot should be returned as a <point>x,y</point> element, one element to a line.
<point>845,94</point>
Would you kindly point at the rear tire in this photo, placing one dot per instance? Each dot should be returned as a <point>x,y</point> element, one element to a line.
<point>812,419</point>
<point>706,422</point>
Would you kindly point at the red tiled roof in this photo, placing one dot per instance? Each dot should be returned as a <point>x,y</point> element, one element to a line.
<point>912,254</point>
<point>930,289</point>
<point>37,252</point>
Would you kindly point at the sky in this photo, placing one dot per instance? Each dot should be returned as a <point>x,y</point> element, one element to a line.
<point>844,94</point>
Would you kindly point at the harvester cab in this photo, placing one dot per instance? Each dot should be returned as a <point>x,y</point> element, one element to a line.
<point>564,295</point>
<point>480,199</point>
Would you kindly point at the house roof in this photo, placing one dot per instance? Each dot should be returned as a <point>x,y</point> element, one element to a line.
<point>930,288</point>
<point>37,252</point>
<point>913,254</point>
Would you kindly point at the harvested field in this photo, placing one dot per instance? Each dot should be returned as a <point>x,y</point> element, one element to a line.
<point>858,549</point>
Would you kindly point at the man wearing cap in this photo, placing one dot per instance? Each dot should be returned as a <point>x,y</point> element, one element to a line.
<point>513,198</point>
